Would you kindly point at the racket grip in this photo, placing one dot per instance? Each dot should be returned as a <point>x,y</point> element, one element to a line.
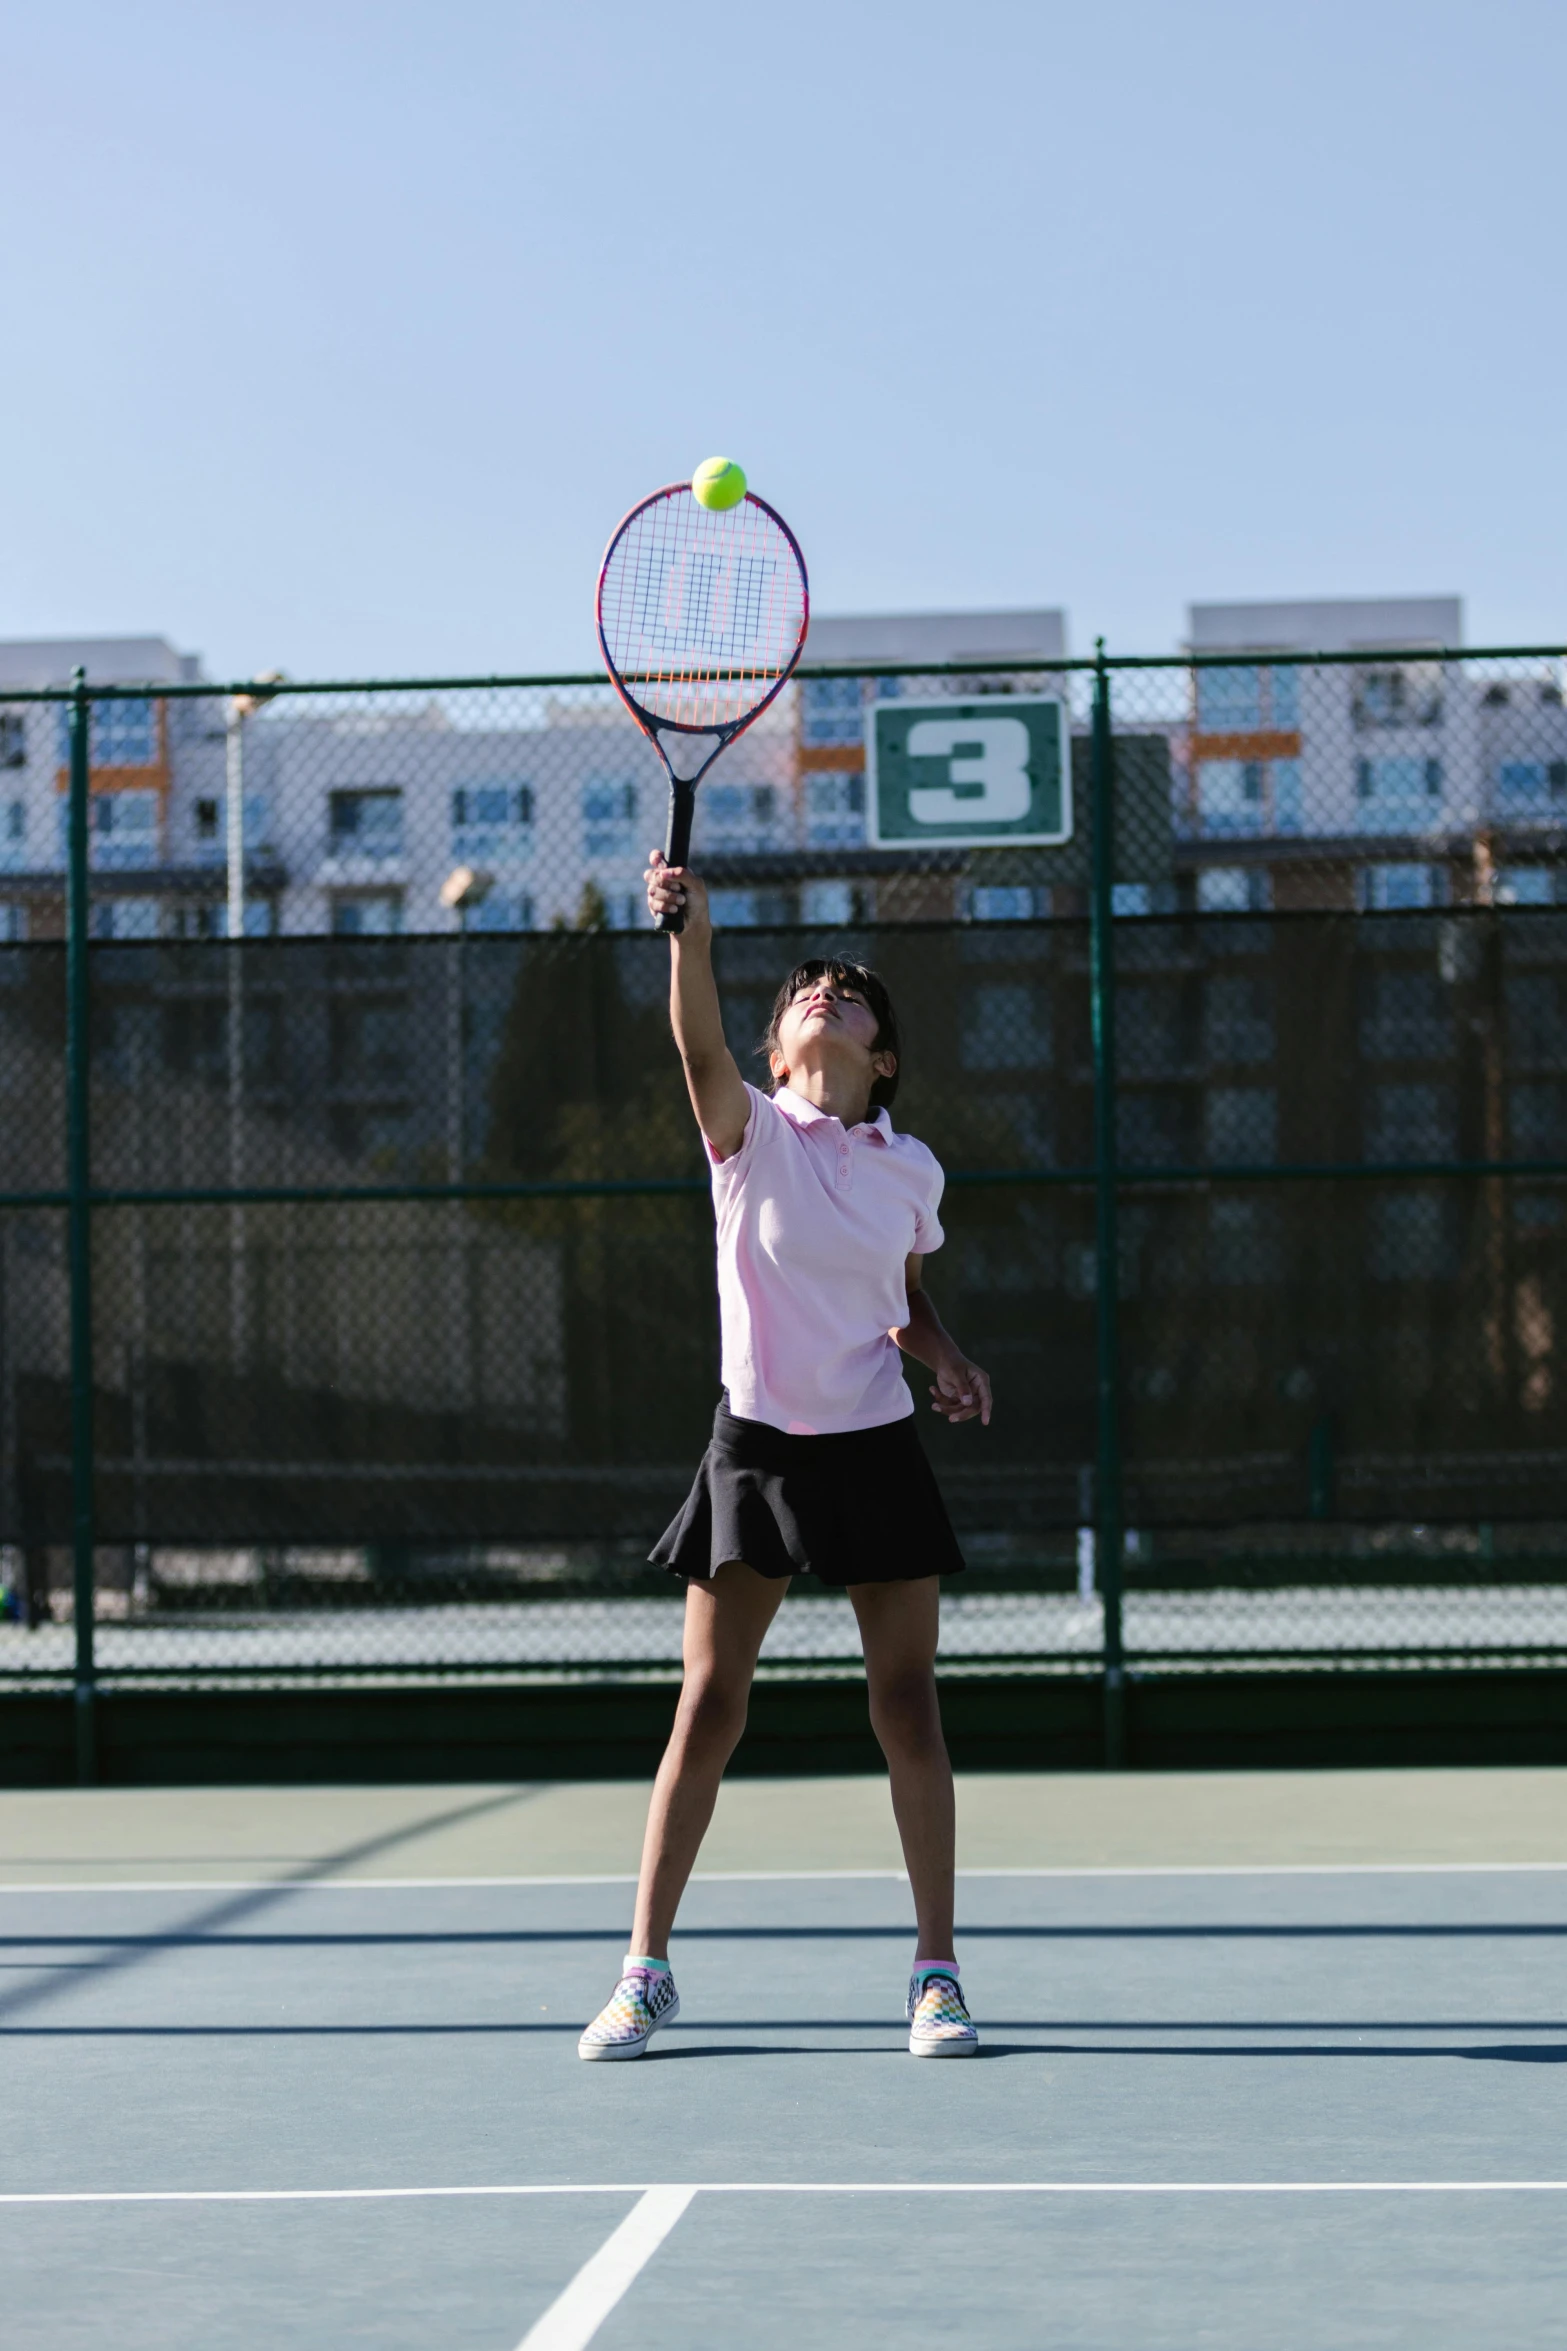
<point>677,845</point>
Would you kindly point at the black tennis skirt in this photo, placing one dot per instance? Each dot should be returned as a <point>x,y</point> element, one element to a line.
<point>859,1508</point>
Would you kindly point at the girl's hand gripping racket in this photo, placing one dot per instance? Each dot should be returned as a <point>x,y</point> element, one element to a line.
<point>702,615</point>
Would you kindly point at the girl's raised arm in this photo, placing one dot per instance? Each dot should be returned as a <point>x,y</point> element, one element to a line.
<point>716,1088</point>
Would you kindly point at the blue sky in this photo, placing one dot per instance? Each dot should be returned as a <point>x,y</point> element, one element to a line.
<point>339,335</point>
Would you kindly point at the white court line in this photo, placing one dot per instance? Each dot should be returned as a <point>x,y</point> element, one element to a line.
<point>763,1877</point>
<point>689,2189</point>
<point>574,2317</point>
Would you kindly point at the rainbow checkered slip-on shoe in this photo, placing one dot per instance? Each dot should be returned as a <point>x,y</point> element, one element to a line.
<point>939,2021</point>
<point>644,1998</point>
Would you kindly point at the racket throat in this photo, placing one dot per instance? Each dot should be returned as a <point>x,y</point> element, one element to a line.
<point>687,756</point>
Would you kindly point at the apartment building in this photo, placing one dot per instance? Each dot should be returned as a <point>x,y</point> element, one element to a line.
<point>1406,784</point>
<point>354,812</point>
<point>143,847</point>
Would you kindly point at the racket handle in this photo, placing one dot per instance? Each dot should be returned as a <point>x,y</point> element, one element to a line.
<point>677,844</point>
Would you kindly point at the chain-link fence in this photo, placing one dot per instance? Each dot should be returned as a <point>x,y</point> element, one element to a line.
<point>356,1295</point>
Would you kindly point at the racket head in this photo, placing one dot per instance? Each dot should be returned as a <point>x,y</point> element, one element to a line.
<point>701,615</point>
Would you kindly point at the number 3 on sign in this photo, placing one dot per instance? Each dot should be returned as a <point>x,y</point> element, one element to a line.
<point>994,756</point>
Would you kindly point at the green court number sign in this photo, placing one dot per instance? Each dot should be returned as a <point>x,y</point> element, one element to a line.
<point>972,775</point>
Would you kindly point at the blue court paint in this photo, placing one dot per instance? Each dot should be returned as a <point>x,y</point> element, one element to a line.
<point>1330,2086</point>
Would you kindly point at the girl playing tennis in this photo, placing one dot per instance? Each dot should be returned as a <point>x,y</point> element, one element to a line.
<point>824,1215</point>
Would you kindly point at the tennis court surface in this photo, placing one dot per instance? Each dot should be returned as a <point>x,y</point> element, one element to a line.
<point>300,2069</point>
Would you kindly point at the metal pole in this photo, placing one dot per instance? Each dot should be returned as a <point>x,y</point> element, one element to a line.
<point>78,1010</point>
<point>234,779</point>
<point>234,782</point>
<point>456,1157</point>
<point>1107,1300</point>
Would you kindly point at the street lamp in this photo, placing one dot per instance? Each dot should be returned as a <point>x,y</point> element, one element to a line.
<point>240,708</point>
<point>464,888</point>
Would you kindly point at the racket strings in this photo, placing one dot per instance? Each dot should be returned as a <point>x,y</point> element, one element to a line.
<point>701,612</point>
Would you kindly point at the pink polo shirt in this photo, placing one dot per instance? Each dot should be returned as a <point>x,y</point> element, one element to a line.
<point>814,1224</point>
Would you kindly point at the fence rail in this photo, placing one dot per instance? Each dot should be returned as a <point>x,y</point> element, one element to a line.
<point>356,1311</point>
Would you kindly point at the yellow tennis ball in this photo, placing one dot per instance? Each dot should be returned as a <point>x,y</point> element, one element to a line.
<point>718,482</point>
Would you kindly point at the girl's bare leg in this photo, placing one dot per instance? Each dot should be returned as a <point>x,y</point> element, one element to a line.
<point>725,1624</point>
<point>898,1626</point>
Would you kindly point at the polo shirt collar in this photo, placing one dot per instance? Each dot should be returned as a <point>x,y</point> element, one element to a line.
<point>877,1128</point>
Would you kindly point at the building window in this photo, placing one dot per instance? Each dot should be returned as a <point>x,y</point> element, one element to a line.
<point>1241,1124</point>
<point>1526,885</point>
<point>1229,701</point>
<point>1411,1122</point>
<point>205,921</point>
<point>13,833</point>
<point>1531,787</point>
<point>1289,796</point>
<point>369,914</point>
<point>369,1047</point>
<point>834,811</point>
<point>124,828</point>
<point>1006,1027</point>
<point>209,825</point>
<point>13,922</point>
<point>492,824</point>
<point>1234,889</point>
<point>124,734</point>
<point>830,708</point>
<point>366,824</point>
<point>1245,1242</point>
<point>609,819</point>
<point>1240,701</point>
<point>1002,903</point>
<point>1396,698</point>
<point>503,910</point>
<point>1411,1239</point>
<point>1537,1117</point>
<point>1230,795</point>
<point>1237,1019</point>
<point>127,918</point>
<point>1397,889</point>
<point>735,910</point>
<point>737,807</point>
<point>827,903</point>
<point>13,739</point>
<point>1398,795</point>
<point>1406,1016</point>
<point>1131,898</point>
<point>738,910</point>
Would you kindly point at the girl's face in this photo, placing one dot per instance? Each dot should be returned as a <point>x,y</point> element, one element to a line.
<point>829,1023</point>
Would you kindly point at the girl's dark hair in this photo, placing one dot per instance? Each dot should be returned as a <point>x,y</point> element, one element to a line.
<point>865,983</point>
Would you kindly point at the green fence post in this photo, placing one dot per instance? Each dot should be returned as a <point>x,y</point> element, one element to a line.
<point>78,1010</point>
<point>1107,1286</point>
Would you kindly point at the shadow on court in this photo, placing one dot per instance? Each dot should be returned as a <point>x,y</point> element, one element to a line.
<point>115,1952</point>
<point>1140,2037</point>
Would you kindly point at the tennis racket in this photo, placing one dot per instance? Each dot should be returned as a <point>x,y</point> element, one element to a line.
<point>701,616</point>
